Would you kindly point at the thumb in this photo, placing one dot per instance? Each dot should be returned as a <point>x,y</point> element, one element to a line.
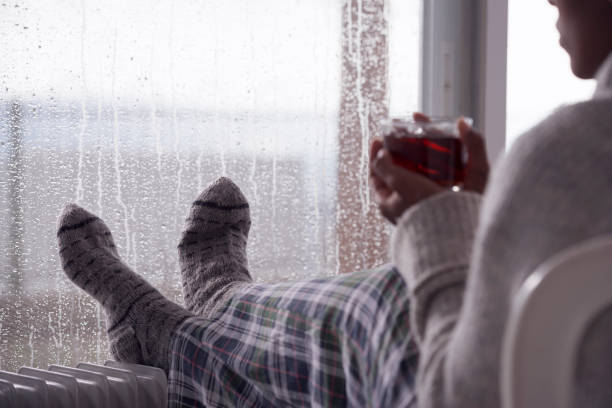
<point>477,168</point>
<point>474,143</point>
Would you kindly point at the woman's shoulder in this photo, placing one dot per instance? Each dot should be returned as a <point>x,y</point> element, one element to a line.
<point>577,130</point>
<point>570,146</point>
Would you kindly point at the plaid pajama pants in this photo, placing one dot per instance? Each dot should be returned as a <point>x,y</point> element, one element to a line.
<point>333,342</point>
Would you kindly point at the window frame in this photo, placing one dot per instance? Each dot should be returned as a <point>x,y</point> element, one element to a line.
<point>473,79</point>
<point>494,66</point>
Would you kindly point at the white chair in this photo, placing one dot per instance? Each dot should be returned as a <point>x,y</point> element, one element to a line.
<point>548,319</point>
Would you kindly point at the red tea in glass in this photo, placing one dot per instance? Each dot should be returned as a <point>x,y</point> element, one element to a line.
<point>432,149</point>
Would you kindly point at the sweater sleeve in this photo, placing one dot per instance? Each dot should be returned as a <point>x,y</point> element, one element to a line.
<point>432,246</point>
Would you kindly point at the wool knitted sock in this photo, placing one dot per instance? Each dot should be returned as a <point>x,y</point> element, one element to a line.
<point>140,320</point>
<point>212,250</point>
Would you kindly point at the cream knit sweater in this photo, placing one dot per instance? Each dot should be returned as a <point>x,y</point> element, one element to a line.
<point>464,260</point>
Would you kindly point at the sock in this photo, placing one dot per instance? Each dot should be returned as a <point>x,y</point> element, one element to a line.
<point>212,250</point>
<point>140,320</point>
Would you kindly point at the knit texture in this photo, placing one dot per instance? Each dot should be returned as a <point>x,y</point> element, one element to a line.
<point>443,230</point>
<point>140,320</point>
<point>212,250</point>
<point>463,266</point>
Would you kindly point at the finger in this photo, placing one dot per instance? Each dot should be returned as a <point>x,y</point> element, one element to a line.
<point>478,164</point>
<point>390,174</point>
<point>382,196</point>
<point>376,145</point>
<point>420,117</point>
<point>387,211</point>
<point>391,207</point>
<point>381,190</point>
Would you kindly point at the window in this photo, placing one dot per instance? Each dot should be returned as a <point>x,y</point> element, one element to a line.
<point>131,108</point>
<point>537,63</point>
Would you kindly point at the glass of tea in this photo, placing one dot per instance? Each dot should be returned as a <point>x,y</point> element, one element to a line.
<point>432,149</point>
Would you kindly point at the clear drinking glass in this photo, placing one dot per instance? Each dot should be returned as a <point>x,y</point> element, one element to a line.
<point>432,148</point>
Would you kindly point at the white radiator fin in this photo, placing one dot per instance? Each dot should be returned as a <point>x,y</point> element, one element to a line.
<point>113,385</point>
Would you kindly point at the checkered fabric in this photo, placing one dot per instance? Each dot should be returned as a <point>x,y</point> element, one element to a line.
<point>336,342</point>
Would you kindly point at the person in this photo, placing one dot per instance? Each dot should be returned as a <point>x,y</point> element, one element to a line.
<point>464,256</point>
<point>424,333</point>
<point>340,341</point>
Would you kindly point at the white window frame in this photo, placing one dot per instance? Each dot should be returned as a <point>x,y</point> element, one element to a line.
<point>495,76</point>
<point>464,64</point>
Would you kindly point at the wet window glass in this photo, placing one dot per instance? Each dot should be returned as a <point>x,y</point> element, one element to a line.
<point>130,108</point>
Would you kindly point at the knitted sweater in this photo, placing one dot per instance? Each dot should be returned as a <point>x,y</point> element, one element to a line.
<point>464,257</point>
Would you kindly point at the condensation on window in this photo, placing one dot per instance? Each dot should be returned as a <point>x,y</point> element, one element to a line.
<point>131,108</point>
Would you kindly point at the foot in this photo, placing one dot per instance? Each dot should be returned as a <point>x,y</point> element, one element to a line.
<point>212,251</point>
<point>140,320</point>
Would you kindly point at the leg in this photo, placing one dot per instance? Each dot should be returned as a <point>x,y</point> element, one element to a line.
<point>341,341</point>
<point>212,250</point>
<point>140,320</point>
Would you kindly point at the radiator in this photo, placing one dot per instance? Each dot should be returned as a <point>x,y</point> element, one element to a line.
<point>112,385</point>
